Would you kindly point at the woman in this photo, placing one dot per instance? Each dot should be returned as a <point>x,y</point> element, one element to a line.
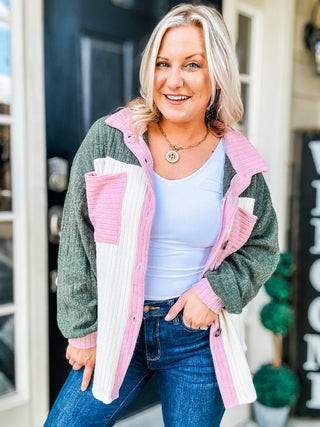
<point>173,230</point>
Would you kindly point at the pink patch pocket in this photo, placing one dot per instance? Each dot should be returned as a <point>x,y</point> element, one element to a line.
<point>242,227</point>
<point>105,196</point>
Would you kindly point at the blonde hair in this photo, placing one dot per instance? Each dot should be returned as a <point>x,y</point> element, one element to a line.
<point>225,108</point>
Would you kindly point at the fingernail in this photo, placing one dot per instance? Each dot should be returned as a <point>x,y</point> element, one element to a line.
<point>83,389</point>
<point>168,317</point>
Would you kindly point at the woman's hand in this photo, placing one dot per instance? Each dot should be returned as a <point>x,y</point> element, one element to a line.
<point>82,357</point>
<point>195,313</point>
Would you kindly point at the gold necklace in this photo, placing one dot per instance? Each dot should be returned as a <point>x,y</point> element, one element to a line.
<point>172,155</point>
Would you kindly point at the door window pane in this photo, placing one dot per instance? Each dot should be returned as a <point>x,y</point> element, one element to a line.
<point>7,375</point>
<point>155,7</point>
<point>5,169</point>
<point>243,44</point>
<point>245,100</point>
<point>6,263</point>
<point>5,71</point>
<point>4,7</point>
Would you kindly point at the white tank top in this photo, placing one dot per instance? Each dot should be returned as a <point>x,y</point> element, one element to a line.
<point>186,224</point>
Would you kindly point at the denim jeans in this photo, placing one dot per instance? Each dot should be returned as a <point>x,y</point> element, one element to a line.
<point>181,359</point>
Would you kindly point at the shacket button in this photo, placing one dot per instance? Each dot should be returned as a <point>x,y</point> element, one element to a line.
<point>217,333</point>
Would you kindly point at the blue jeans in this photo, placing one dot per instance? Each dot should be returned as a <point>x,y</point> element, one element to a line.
<point>180,357</point>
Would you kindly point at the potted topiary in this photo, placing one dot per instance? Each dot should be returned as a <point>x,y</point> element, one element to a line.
<point>276,386</point>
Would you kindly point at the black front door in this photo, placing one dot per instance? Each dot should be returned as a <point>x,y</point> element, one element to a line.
<point>92,59</point>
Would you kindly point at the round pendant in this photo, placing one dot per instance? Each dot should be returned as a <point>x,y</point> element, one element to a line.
<point>172,156</point>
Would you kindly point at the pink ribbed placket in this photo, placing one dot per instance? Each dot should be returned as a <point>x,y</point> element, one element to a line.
<point>137,287</point>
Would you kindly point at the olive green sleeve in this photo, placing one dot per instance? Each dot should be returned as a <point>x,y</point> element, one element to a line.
<point>77,282</point>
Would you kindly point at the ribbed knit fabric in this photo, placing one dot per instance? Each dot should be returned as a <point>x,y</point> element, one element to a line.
<point>115,263</point>
<point>105,196</point>
<point>88,341</point>
<point>231,361</point>
<point>137,297</point>
<point>242,225</point>
<point>206,294</point>
<point>119,268</point>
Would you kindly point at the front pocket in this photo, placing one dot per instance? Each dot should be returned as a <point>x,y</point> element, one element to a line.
<point>105,196</point>
<point>184,326</point>
<point>241,230</point>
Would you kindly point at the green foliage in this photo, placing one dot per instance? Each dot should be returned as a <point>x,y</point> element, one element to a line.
<point>277,317</point>
<point>285,267</point>
<point>277,288</point>
<point>276,387</point>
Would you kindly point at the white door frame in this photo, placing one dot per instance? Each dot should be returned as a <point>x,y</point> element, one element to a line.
<point>37,209</point>
<point>29,405</point>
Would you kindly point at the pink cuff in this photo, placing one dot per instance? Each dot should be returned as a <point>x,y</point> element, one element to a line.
<point>208,296</point>
<point>85,342</point>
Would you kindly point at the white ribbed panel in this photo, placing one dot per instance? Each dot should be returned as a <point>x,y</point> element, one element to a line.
<point>239,326</point>
<point>115,265</point>
<point>247,204</point>
<point>237,362</point>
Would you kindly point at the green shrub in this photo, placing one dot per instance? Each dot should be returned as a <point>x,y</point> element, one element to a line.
<point>276,387</point>
<point>277,317</point>
<point>285,266</point>
<point>277,288</point>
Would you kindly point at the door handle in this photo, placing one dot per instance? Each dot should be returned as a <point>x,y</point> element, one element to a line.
<point>57,174</point>
<point>53,281</point>
<point>55,218</point>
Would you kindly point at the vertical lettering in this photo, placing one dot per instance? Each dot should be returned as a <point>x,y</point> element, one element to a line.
<point>316,248</point>
<point>312,362</point>
<point>316,184</point>
<point>313,352</point>
<point>314,275</point>
<point>314,314</point>
<point>315,150</point>
<point>314,403</point>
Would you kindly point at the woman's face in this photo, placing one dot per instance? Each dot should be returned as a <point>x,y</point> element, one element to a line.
<point>182,86</point>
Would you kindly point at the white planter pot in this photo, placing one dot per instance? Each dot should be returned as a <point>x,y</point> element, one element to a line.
<point>270,417</point>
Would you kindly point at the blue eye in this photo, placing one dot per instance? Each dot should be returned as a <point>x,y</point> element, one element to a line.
<point>193,65</point>
<point>162,64</point>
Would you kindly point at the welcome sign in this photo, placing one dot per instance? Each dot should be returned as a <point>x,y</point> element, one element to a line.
<point>304,342</point>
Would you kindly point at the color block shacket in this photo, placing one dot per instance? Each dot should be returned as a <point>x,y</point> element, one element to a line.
<point>104,248</point>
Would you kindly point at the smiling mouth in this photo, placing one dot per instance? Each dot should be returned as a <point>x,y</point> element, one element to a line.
<point>177,97</point>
